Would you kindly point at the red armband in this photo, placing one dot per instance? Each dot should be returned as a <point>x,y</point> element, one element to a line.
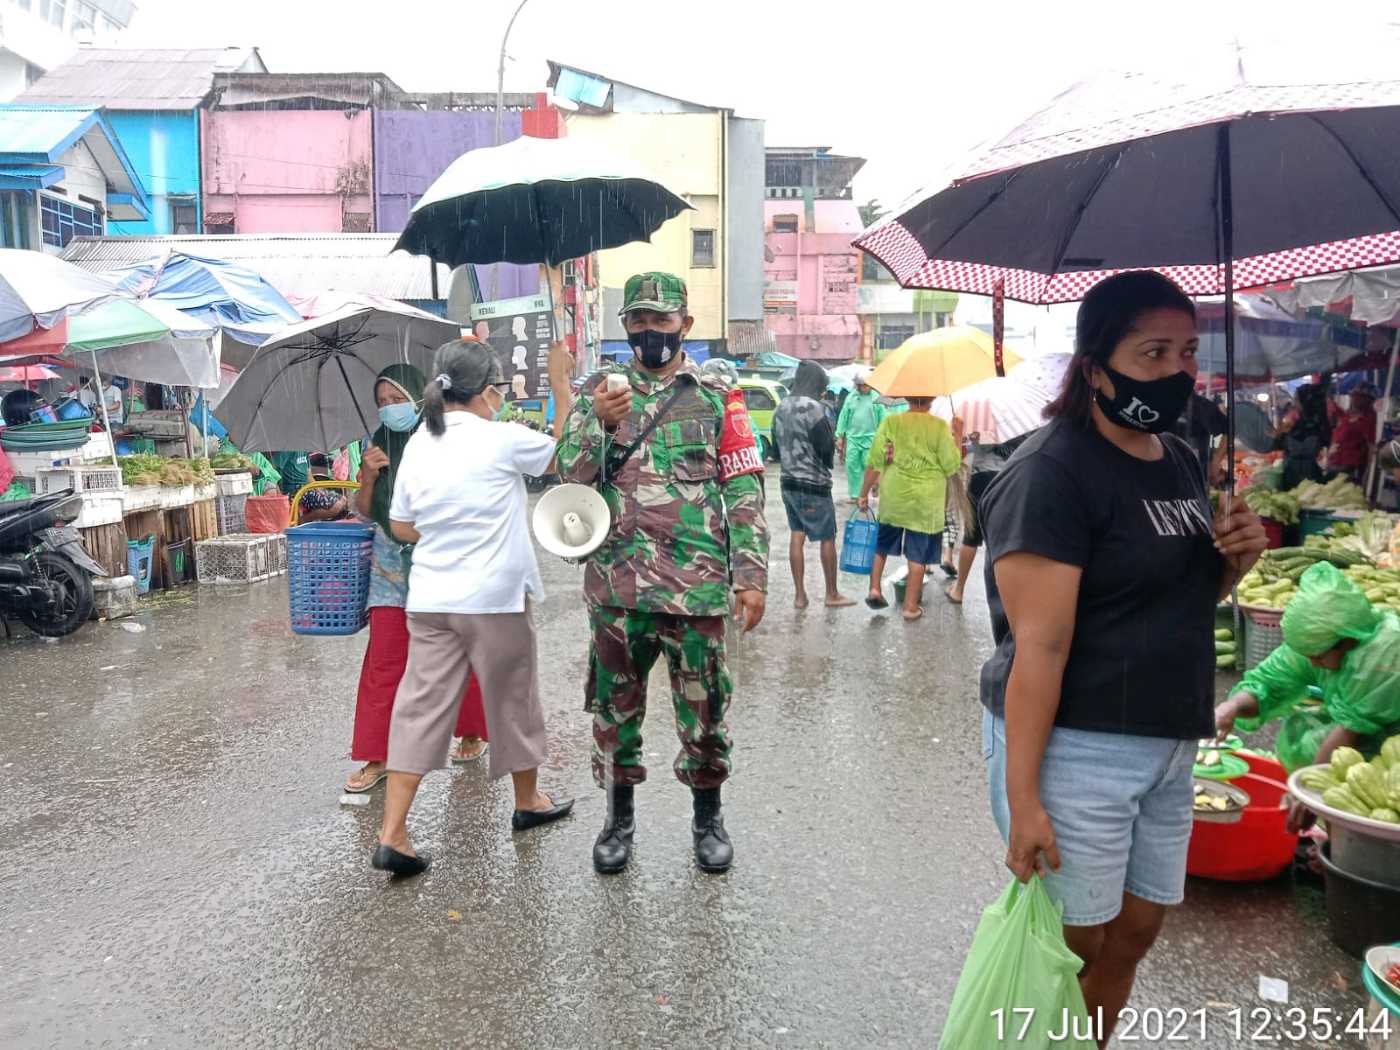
<point>738,451</point>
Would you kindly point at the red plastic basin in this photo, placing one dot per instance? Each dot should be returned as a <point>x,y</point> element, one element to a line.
<point>1270,768</point>
<point>1256,848</point>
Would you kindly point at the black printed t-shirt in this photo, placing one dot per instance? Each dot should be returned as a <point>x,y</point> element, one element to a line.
<point>1142,660</point>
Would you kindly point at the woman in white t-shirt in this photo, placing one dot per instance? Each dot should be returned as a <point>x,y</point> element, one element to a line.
<point>459,496</point>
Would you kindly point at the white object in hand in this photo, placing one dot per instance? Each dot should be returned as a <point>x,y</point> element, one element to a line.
<point>576,532</point>
<point>617,381</point>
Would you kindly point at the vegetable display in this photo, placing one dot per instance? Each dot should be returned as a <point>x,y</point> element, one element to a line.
<point>1354,785</point>
<point>1226,655</point>
<point>147,469</point>
<point>1278,506</point>
<point>1338,494</point>
<point>231,461</point>
<point>1274,579</point>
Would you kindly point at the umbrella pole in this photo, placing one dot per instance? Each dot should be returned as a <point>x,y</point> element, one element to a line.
<point>1373,486</point>
<point>1227,249</point>
<point>102,401</point>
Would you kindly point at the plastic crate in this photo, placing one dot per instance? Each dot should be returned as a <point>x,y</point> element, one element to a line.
<point>98,447</point>
<point>139,498</point>
<point>28,464</point>
<point>231,511</point>
<point>1263,633</point>
<point>234,484</point>
<point>78,478</point>
<point>242,558</point>
<point>204,493</point>
<point>277,553</point>
<point>328,570</point>
<point>173,497</point>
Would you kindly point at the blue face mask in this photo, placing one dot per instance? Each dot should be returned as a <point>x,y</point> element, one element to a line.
<point>399,418</point>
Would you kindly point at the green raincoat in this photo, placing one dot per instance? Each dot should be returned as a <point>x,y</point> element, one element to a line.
<point>1362,696</point>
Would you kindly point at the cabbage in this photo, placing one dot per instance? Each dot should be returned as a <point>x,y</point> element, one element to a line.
<point>1343,759</point>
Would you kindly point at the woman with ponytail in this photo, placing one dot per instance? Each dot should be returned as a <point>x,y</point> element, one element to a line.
<point>396,391</point>
<point>459,497</point>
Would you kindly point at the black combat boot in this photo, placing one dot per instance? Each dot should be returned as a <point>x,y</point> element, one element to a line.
<point>613,847</point>
<point>712,849</point>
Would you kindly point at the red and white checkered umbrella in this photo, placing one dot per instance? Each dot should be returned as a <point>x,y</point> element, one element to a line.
<point>1242,167</point>
<point>1274,162</point>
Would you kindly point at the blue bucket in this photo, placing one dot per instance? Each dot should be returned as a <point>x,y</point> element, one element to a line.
<point>138,562</point>
<point>858,544</point>
<point>328,568</point>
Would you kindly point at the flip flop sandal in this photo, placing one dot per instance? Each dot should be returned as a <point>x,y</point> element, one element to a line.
<point>872,602</point>
<point>949,571</point>
<point>460,759</point>
<point>910,618</point>
<point>382,774</point>
<point>948,593</point>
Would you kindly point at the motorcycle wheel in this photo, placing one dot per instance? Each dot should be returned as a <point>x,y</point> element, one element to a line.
<point>76,605</point>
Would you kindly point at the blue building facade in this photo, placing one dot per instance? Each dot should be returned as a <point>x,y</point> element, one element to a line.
<point>163,147</point>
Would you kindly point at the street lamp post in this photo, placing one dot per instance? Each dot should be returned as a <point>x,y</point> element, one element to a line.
<point>501,70</point>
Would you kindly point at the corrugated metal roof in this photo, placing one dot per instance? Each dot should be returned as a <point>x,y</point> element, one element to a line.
<point>294,264</point>
<point>42,132</point>
<point>139,79</point>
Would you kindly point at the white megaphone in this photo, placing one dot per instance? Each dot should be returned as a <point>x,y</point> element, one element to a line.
<point>571,521</point>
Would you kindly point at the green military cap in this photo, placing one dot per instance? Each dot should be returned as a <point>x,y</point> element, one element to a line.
<point>663,292</point>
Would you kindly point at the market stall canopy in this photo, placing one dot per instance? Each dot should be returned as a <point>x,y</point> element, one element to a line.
<point>1371,297</point>
<point>1141,170</point>
<point>26,374</point>
<point>536,201</point>
<point>938,363</point>
<point>1269,341</point>
<point>237,301</point>
<point>311,387</point>
<point>38,290</point>
<point>150,341</point>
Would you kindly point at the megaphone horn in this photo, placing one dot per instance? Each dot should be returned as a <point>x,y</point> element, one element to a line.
<point>571,521</point>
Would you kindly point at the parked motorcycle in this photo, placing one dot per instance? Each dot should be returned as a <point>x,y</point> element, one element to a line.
<point>45,572</point>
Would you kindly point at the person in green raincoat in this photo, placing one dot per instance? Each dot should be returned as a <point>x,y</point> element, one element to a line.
<point>1335,640</point>
<point>860,417</point>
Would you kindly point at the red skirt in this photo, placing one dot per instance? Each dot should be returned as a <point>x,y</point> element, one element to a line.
<point>385,659</point>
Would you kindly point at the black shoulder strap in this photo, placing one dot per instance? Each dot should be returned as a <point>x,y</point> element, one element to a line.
<point>614,467</point>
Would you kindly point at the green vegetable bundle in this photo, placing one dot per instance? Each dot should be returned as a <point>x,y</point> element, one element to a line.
<point>1339,493</point>
<point>1277,506</point>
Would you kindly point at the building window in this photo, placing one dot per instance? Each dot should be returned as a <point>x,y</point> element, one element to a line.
<point>184,216</point>
<point>62,221</point>
<point>14,220</point>
<point>84,17</point>
<point>56,10</point>
<point>784,223</point>
<point>702,247</point>
<point>892,336</point>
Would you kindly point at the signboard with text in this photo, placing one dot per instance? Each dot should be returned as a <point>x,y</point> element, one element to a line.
<point>520,332</point>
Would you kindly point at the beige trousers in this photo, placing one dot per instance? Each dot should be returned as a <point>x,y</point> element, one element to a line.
<point>443,650</point>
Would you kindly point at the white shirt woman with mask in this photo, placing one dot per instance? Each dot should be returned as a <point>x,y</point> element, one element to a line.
<point>459,497</point>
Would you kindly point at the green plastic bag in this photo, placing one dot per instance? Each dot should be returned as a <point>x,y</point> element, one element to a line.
<point>1019,986</point>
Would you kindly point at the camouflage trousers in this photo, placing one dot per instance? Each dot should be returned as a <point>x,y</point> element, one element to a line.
<point>625,646</point>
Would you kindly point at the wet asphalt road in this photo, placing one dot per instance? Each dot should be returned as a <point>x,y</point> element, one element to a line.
<point>178,871</point>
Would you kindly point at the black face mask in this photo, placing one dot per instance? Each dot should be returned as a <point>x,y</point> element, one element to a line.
<point>655,349</point>
<point>1152,405</point>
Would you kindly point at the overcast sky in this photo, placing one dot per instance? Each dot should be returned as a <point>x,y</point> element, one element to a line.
<point>909,84</point>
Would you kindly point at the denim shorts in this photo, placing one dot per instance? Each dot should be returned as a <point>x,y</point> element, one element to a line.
<point>1121,809</point>
<point>924,548</point>
<point>810,514</point>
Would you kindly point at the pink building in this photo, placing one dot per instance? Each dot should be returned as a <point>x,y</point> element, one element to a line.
<point>292,153</point>
<point>811,276</point>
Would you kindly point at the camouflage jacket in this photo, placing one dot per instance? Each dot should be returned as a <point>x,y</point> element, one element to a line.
<point>683,535</point>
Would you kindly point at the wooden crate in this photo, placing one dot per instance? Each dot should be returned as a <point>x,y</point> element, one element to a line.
<point>204,520</point>
<point>107,546</point>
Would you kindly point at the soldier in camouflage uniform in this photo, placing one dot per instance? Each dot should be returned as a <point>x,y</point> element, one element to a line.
<point>687,530</point>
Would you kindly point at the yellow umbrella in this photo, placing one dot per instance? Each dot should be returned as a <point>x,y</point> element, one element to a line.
<point>939,363</point>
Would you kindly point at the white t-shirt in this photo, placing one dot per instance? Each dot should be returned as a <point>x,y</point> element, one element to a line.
<point>465,494</point>
<point>87,396</point>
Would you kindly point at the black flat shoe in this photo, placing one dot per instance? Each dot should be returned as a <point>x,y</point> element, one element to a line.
<point>872,602</point>
<point>949,571</point>
<point>400,865</point>
<point>525,819</point>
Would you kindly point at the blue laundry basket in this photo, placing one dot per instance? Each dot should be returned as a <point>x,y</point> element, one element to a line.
<point>328,567</point>
<point>858,544</point>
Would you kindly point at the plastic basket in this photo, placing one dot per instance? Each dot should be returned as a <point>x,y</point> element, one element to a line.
<point>1263,634</point>
<point>858,545</point>
<point>231,511</point>
<point>328,570</point>
<point>1274,531</point>
<point>234,484</point>
<point>240,558</point>
<point>77,478</point>
<point>139,555</point>
<point>1312,522</point>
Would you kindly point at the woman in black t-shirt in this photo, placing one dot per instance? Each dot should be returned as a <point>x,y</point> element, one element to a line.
<point>1104,568</point>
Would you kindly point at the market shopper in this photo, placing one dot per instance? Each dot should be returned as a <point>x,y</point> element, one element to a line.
<point>1105,569</point>
<point>1354,434</point>
<point>861,415</point>
<point>1304,435</point>
<point>459,496</point>
<point>912,457</point>
<point>985,462</point>
<point>688,531</point>
<point>807,448</point>
<point>1334,640</point>
<point>396,390</point>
